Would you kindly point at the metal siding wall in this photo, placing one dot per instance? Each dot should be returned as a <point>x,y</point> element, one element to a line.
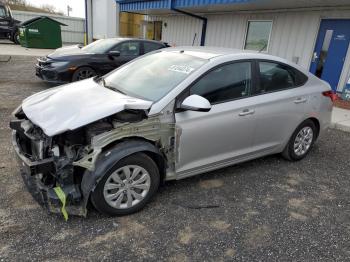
<point>72,33</point>
<point>107,25</point>
<point>293,33</point>
<point>180,30</point>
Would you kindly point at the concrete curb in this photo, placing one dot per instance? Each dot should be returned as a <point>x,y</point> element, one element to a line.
<point>341,127</point>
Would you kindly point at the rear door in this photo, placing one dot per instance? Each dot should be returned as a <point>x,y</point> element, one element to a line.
<point>280,104</point>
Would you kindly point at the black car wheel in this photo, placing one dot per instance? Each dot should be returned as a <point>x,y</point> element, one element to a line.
<point>83,73</point>
<point>127,187</point>
<point>16,38</point>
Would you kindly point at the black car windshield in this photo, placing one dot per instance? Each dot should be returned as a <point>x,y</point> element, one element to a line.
<point>3,12</point>
<point>100,46</point>
<point>153,76</point>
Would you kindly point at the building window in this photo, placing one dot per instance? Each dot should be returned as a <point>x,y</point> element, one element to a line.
<point>258,35</point>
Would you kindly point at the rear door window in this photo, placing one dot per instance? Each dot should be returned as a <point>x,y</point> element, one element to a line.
<point>149,47</point>
<point>277,77</point>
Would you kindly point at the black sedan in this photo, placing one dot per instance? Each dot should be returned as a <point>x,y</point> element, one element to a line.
<point>74,63</point>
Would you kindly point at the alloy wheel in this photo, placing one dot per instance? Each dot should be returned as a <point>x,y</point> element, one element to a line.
<point>303,141</point>
<point>85,73</point>
<point>127,186</point>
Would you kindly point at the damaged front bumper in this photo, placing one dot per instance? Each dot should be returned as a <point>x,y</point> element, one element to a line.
<point>33,173</point>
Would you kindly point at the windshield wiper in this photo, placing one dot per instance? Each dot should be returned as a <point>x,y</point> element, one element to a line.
<point>110,87</point>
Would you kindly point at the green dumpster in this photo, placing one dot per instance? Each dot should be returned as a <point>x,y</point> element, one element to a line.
<point>41,32</point>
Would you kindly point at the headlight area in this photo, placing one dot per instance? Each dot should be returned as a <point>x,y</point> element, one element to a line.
<point>53,70</point>
<point>46,165</point>
<point>54,169</point>
<point>57,64</point>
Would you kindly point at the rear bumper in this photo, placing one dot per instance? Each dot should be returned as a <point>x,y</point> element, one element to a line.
<point>32,173</point>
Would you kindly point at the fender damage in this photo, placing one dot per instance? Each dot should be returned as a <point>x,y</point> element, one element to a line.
<point>70,159</point>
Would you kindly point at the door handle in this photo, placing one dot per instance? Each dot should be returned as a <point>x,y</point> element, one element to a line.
<point>300,100</point>
<point>314,57</point>
<point>246,112</point>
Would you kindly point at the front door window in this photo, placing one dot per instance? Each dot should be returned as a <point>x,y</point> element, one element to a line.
<point>225,83</point>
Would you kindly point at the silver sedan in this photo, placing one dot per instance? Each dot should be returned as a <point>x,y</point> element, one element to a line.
<point>168,115</point>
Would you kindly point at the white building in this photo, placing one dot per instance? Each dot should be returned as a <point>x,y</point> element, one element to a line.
<point>102,18</point>
<point>313,33</point>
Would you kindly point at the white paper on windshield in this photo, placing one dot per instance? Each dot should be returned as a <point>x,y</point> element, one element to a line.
<point>181,69</point>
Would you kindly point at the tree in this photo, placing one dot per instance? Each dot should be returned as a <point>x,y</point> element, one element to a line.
<point>49,8</point>
<point>15,2</point>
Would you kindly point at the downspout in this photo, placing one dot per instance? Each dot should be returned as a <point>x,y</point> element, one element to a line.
<point>204,20</point>
<point>86,24</point>
<point>88,21</point>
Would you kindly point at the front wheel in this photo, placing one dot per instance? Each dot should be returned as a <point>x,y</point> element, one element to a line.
<point>83,73</point>
<point>16,38</point>
<point>127,187</point>
<point>301,141</point>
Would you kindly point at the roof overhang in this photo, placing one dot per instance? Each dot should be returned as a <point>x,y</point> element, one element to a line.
<point>158,7</point>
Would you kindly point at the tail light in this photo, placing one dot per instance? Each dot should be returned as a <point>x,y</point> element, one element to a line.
<point>331,94</point>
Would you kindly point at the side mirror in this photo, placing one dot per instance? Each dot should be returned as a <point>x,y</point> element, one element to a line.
<point>196,103</point>
<point>114,53</point>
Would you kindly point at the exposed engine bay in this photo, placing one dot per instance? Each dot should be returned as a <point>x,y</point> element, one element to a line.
<point>68,160</point>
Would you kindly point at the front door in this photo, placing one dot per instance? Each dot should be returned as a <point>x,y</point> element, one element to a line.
<point>331,49</point>
<point>105,63</point>
<point>213,139</point>
<point>5,21</point>
<point>129,50</point>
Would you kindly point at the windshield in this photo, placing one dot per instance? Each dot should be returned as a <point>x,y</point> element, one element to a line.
<point>153,76</point>
<point>3,11</point>
<point>100,46</point>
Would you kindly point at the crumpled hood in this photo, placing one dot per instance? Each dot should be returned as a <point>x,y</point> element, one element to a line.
<point>66,51</point>
<point>74,105</point>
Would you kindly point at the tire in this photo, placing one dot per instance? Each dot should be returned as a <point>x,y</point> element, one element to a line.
<point>301,142</point>
<point>15,38</point>
<point>82,73</point>
<point>113,191</point>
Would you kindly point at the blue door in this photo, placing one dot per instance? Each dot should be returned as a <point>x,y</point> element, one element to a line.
<point>331,49</point>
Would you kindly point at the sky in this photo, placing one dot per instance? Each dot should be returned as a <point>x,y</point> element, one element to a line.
<point>78,6</point>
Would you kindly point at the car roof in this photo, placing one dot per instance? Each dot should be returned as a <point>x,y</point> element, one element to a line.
<point>214,53</point>
<point>135,39</point>
<point>205,51</point>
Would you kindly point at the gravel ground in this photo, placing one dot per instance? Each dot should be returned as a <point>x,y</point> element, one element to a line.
<point>263,210</point>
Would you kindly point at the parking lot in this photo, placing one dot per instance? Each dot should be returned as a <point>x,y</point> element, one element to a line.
<point>266,210</point>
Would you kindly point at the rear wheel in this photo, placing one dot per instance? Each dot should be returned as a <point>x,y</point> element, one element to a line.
<point>301,141</point>
<point>83,73</point>
<point>127,187</point>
